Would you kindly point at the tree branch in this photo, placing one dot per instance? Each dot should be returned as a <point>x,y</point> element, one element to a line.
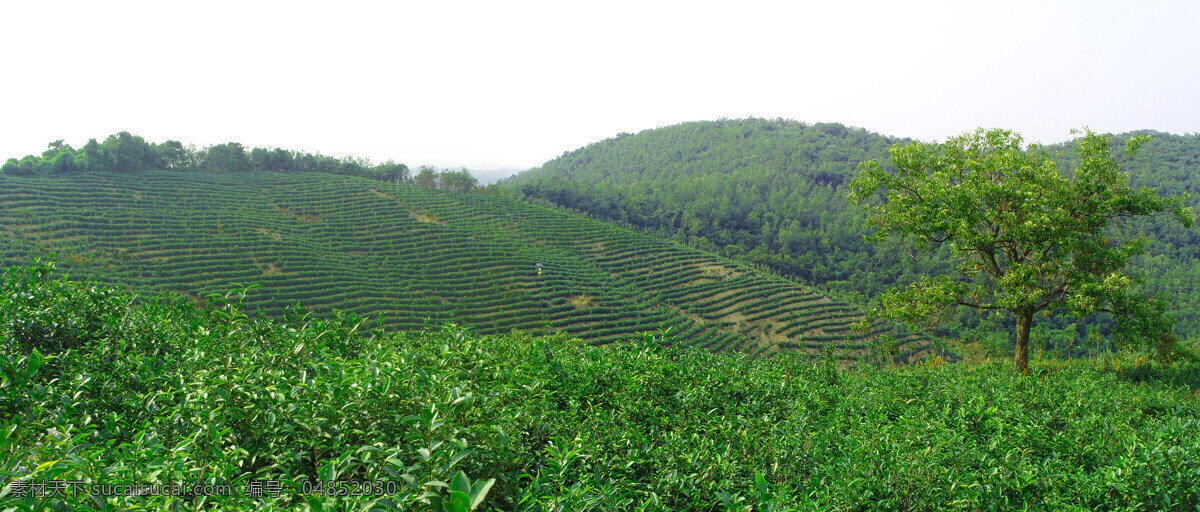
<point>961,302</point>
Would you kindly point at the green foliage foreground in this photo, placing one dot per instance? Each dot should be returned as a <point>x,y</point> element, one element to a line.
<point>102,390</point>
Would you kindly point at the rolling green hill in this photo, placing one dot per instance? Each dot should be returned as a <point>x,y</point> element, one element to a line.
<point>773,192</point>
<point>404,255</point>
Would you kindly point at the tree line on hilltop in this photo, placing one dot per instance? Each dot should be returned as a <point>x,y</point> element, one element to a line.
<point>125,152</point>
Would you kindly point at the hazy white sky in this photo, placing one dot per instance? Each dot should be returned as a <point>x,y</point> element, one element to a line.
<point>512,84</point>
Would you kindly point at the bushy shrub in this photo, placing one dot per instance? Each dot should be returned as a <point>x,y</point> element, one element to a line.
<point>54,315</point>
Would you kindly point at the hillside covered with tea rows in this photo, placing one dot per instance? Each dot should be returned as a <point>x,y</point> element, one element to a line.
<point>405,256</point>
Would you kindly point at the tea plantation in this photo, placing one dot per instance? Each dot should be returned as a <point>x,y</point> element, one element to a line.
<point>405,257</point>
<point>102,395</point>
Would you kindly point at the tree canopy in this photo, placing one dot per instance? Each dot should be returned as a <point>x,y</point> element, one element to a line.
<point>125,152</point>
<point>1028,238</point>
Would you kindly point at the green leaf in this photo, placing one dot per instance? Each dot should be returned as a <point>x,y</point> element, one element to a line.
<point>460,483</point>
<point>329,471</point>
<point>315,503</point>
<point>35,361</point>
<point>479,491</point>
<point>459,502</point>
<point>458,457</point>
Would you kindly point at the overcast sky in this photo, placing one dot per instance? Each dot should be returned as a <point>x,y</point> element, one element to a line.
<point>512,84</point>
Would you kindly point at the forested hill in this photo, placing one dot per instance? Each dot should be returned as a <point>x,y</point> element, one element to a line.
<point>767,191</point>
<point>773,192</point>
<point>825,152</point>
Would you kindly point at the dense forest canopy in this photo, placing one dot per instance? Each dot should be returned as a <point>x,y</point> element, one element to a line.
<point>773,192</point>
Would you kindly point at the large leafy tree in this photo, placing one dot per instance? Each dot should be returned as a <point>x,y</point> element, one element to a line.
<point>393,172</point>
<point>228,157</point>
<point>1029,238</point>
<point>457,181</point>
<point>131,153</point>
<point>273,160</point>
<point>427,177</point>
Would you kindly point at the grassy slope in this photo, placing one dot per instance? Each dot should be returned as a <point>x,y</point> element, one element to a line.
<point>161,393</point>
<point>409,254</point>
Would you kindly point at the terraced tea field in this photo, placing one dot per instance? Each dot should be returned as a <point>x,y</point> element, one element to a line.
<point>403,256</point>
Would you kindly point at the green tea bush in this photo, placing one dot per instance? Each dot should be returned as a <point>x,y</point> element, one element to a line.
<point>52,316</point>
<point>443,419</point>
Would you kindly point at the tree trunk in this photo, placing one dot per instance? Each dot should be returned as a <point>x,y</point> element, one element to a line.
<point>1021,358</point>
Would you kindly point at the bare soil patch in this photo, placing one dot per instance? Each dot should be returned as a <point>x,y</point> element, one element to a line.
<point>583,301</point>
<point>425,217</point>
<point>719,271</point>
<point>307,218</point>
